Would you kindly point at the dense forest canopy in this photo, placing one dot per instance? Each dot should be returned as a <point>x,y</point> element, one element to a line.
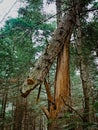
<point>49,67</point>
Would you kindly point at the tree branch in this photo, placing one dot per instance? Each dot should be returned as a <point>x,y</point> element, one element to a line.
<point>50,98</point>
<point>46,112</point>
<point>39,90</point>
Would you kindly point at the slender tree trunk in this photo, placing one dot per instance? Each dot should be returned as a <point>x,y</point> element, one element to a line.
<point>4,101</point>
<point>19,112</point>
<point>83,71</point>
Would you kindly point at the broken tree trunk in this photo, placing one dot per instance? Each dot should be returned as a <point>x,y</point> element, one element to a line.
<point>54,47</point>
<point>44,63</point>
<point>62,84</point>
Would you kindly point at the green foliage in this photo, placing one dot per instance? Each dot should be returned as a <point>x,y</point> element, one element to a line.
<point>95,5</point>
<point>16,46</point>
<point>86,2</point>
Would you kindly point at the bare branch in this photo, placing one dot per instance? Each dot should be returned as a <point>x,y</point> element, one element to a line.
<point>38,94</point>
<point>46,112</point>
<point>50,98</point>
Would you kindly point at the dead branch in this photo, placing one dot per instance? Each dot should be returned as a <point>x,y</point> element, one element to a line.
<point>39,91</point>
<point>50,98</point>
<point>46,112</point>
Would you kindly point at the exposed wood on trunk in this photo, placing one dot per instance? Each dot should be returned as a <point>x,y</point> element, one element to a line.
<point>62,83</point>
<point>44,63</point>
